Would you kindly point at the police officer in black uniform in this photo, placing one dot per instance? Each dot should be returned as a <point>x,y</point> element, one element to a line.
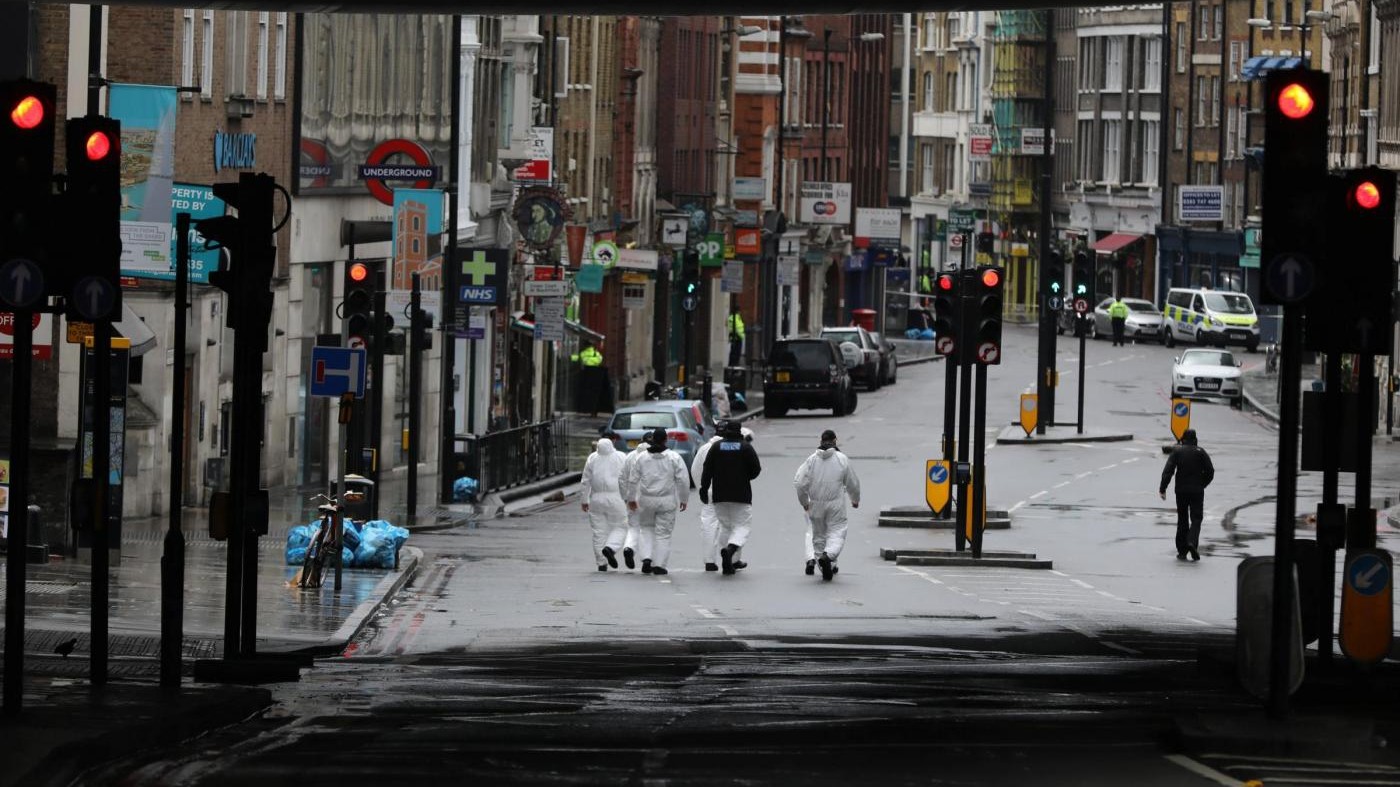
<point>1194,472</point>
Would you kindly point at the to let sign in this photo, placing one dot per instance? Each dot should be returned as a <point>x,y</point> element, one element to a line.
<point>43,333</point>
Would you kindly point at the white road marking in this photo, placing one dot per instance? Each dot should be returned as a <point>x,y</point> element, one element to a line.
<point>1197,621</point>
<point>705,613</point>
<point>1034,614</point>
<point>919,574</point>
<point>1123,648</point>
<point>1062,484</point>
<point>1131,459</point>
<point>1041,493</point>
<point>1106,594</point>
<point>1204,771</point>
<point>1083,475</point>
<point>1109,467</point>
<point>1059,573</point>
<point>1018,505</point>
<point>728,631</point>
<point>1081,583</point>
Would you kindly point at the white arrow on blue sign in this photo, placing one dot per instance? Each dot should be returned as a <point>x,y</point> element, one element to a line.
<point>21,282</point>
<point>1368,575</point>
<point>938,474</point>
<point>337,370</point>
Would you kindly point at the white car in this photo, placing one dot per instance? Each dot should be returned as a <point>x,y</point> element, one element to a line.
<point>1213,374</point>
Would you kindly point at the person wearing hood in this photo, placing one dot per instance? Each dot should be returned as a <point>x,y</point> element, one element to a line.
<point>709,524</point>
<point>730,467</point>
<point>656,484</point>
<point>602,501</point>
<point>823,482</point>
<point>1194,472</point>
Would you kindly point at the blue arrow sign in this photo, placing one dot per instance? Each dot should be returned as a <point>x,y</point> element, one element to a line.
<point>21,282</point>
<point>938,474</point>
<point>1290,277</point>
<point>1368,574</point>
<point>94,297</point>
<point>337,370</point>
<point>1181,409</point>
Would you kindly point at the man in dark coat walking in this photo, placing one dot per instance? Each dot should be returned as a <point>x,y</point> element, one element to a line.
<point>1194,472</point>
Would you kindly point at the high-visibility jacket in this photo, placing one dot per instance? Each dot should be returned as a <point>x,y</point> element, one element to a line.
<point>735,323</point>
<point>1118,310</point>
<point>925,283</point>
<point>589,357</point>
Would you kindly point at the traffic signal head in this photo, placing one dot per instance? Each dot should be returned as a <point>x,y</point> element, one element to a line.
<point>988,301</point>
<point>26,202</point>
<point>1295,179</point>
<point>1349,307</point>
<point>1054,275</point>
<point>1084,276</point>
<point>93,271</point>
<point>946,314</point>
<point>690,273</point>
<point>358,305</point>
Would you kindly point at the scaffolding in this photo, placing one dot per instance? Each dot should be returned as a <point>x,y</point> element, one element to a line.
<point>1018,117</point>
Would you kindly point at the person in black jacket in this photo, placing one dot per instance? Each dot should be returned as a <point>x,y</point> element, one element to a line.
<point>1194,472</point>
<point>731,465</point>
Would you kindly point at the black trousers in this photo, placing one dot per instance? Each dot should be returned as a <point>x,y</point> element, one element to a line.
<point>1188,519</point>
<point>736,349</point>
<point>1118,323</point>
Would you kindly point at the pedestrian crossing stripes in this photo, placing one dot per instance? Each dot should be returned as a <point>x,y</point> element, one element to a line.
<point>1298,772</point>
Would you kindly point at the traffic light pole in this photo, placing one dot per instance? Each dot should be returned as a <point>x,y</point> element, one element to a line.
<point>376,402</point>
<point>961,356</point>
<point>415,387</point>
<point>1282,619</point>
<point>1363,530</point>
<point>950,415</point>
<point>172,561</point>
<point>19,513</point>
<point>1045,349</point>
<point>1083,332</point>
<point>1330,514</point>
<point>101,413</point>
<point>979,458</point>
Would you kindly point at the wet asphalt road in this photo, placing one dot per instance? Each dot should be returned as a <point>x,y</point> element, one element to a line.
<point>510,659</point>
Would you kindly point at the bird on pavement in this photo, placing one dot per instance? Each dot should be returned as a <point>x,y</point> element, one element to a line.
<point>64,648</point>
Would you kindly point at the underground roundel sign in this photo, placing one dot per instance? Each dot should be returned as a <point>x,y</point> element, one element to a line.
<point>988,352</point>
<point>377,168</point>
<point>944,345</point>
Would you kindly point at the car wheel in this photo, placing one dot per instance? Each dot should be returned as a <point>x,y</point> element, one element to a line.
<point>875,379</point>
<point>1238,402</point>
<point>1059,328</point>
<point>894,371</point>
<point>1094,329</point>
<point>773,409</point>
<point>851,402</point>
<point>1168,338</point>
<point>1253,346</point>
<point>1200,337</point>
<point>838,404</point>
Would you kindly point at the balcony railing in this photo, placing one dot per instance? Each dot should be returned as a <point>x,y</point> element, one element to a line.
<point>512,457</point>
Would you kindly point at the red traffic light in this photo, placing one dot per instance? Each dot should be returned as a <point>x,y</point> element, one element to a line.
<point>97,146</point>
<point>1295,101</point>
<point>945,282</point>
<point>1367,194</point>
<point>991,277</point>
<point>28,112</point>
<point>359,272</point>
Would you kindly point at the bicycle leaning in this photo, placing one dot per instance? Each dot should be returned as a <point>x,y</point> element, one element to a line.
<point>325,545</point>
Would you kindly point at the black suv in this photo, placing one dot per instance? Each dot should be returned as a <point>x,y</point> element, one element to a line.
<point>807,373</point>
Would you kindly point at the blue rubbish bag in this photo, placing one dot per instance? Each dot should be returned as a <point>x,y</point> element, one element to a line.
<point>300,537</point>
<point>926,334</point>
<point>379,544</point>
<point>912,333</point>
<point>464,490</point>
<point>296,556</point>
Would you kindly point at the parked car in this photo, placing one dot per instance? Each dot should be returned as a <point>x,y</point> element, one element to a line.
<point>889,364</point>
<point>1144,320</point>
<point>693,411</point>
<point>867,373</point>
<point>810,374</point>
<point>633,423</point>
<point>1208,374</point>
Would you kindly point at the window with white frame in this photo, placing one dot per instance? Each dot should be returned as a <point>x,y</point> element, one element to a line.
<point>279,69</point>
<point>1085,170</point>
<point>187,50</point>
<point>1219,21</point>
<point>264,22</point>
<point>1202,101</point>
<point>1215,101</point>
<point>1112,149</point>
<point>926,168</point>
<point>1241,129</point>
<point>1203,30</point>
<point>1113,64</point>
<point>206,55</point>
<point>1181,47</point>
<point>236,78</point>
<point>1179,129</point>
<point>950,167</point>
<point>1152,65</point>
<point>1151,144</point>
<point>927,103</point>
<point>1085,61</point>
<point>1374,67</point>
<point>1231,148</point>
<point>1236,56</point>
<point>950,92</point>
<point>930,26</point>
<point>561,66</point>
<point>954,27</point>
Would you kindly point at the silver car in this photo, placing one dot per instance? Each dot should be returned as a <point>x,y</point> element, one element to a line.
<point>1208,374</point>
<point>1144,321</point>
<point>632,424</point>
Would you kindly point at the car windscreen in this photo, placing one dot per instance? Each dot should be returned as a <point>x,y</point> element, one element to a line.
<point>1207,358</point>
<point>1229,303</point>
<point>643,420</point>
<point>1141,306</point>
<point>843,336</point>
<point>803,355</point>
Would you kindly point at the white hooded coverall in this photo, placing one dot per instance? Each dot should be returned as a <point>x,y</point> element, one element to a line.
<point>709,523</point>
<point>632,541</point>
<point>822,483</point>
<point>657,483</point>
<point>601,493</point>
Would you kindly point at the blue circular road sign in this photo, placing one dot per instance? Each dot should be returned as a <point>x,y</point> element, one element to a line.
<point>938,474</point>
<point>1290,277</point>
<point>1368,575</point>
<point>1181,408</point>
<point>21,282</point>
<point>94,297</point>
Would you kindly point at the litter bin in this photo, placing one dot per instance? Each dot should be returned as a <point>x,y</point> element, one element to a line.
<point>865,318</point>
<point>357,499</point>
<point>737,378</point>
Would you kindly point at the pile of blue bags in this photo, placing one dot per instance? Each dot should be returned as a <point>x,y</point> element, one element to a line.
<point>464,490</point>
<point>372,544</point>
<point>925,334</point>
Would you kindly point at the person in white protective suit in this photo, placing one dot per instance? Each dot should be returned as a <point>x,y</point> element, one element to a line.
<point>709,523</point>
<point>602,501</point>
<point>629,546</point>
<point>656,484</point>
<point>730,467</point>
<point>823,482</point>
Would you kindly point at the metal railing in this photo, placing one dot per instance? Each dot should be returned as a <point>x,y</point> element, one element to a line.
<point>511,457</point>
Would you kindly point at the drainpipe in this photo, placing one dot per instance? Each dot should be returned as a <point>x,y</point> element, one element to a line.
<point>904,112</point>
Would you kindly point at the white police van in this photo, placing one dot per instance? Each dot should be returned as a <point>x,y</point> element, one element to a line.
<point>1206,316</point>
